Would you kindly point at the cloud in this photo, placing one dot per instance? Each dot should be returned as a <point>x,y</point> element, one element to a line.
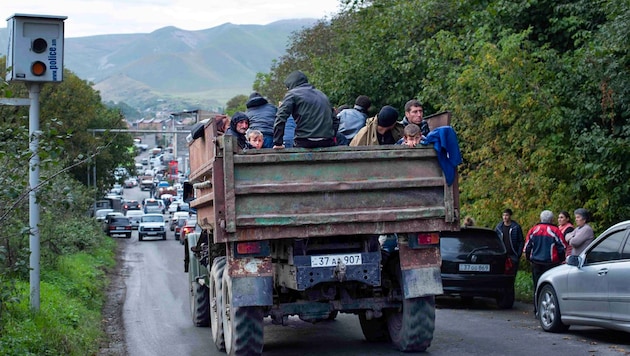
<point>93,17</point>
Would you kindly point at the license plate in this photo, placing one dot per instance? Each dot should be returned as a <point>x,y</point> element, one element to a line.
<point>466,267</point>
<point>332,260</point>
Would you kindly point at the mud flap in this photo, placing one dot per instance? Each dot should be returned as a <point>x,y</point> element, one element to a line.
<point>420,271</point>
<point>252,291</point>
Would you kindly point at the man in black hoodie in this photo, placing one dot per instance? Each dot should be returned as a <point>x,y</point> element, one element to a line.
<point>262,116</point>
<point>315,119</point>
<point>238,127</point>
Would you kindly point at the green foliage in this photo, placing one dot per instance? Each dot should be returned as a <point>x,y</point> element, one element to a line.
<point>524,287</point>
<point>539,92</point>
<point>235,104</point>
<point>68,322</point>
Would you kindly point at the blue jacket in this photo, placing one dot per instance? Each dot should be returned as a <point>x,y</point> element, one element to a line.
<point>350,122</point>
<point>262,115</point>
<point>444,140</point>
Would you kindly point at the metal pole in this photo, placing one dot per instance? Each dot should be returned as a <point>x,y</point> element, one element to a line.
<point>33,177</point>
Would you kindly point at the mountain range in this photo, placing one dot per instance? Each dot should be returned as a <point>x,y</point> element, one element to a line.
<point>176,68</point>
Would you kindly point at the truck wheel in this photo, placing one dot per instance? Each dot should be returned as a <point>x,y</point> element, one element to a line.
<point>411,329</point>
<point>199,304</point>
<point>375,329</point>
<point>242,326</point>
<point>164,236</point>
<point>216,302</point>
<point>140,237</point>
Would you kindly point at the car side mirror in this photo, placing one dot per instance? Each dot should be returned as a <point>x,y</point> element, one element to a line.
<point>573,260</point>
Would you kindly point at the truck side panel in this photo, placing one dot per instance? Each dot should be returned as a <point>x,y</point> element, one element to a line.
<point>272,194</point>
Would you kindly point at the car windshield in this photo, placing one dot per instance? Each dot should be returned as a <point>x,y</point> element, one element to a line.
<point>150,218</point>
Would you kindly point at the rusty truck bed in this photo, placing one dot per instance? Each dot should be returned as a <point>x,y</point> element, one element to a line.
<point>272,194</point>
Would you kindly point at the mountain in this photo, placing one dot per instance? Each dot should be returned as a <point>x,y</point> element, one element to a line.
<point>175,67</point>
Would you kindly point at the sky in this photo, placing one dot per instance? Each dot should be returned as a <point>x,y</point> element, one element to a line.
<point>100,17</point>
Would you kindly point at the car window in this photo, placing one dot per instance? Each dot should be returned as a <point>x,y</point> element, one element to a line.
<point>152,219</point>
<point>608,249</point>
<point>467,241</point>
<point>120,220</point>
<point>625,254</point>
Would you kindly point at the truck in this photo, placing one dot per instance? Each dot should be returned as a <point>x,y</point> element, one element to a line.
<point>299,232</point>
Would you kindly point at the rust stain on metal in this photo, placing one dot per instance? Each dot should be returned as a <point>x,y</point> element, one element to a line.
<point>412,258</point>
<point>250,267</point>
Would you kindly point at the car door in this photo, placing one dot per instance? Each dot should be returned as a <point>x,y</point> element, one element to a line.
<point>588,286</point>
<point>618,286</point>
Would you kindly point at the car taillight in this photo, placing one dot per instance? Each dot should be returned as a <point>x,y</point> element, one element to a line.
<point>509,265</point>
<point>428,238</point>
<point>245,248</point>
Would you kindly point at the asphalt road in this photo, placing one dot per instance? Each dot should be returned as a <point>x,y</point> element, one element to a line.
<point>157,320</point>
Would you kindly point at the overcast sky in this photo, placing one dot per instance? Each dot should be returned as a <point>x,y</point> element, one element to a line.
<point>99,17</point>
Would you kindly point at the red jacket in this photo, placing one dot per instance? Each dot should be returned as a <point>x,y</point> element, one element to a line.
<point>544,244</point>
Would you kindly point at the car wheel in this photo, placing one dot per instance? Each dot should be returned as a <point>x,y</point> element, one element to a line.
<point>506,299</point>
<point>164,236</point>
<point>129,235</point>
<point>140,237</point>
<point>549,310</point>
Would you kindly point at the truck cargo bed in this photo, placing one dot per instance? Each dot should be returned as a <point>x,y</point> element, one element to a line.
<point>270,194</point>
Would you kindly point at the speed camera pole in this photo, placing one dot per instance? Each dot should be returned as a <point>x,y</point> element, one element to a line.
<point>35,56</point>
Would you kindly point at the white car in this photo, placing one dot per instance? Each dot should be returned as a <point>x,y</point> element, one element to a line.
<point>152,225</point>
<point>100,214</point>
<point>134,218</point>
<point>590,289</point>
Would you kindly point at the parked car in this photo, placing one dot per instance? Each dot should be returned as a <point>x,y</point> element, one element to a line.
<point>134,218</point>
<point>152,225</point>
<point>117,224</point>
<point>475,264</point>
<point>101,213</point>
<point>183,215</point>
<point>590,289</point>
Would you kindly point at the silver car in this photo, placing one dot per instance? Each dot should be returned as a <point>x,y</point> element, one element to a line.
<point>590,289</point>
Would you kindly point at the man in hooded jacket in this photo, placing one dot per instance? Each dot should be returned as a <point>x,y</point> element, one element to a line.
<point>262,116</point>
<point>315,119</point>
<point>238,127</point>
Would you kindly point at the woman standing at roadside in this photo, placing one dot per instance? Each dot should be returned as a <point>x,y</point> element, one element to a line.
<point>583,233</point>
<point>565,225</point>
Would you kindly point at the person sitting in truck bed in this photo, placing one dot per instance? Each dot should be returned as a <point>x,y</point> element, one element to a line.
<point>382,129</point>
<point>255,138</point>
<point>315,119</point>
<point>238,127</point>
<point>411,136</point>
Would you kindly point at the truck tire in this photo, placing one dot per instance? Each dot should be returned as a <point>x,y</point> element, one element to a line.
<point>411,329</point>
<point>199,303</point>
<point>216,302</point>
<point>242,326</point>
<point>140,237</point>
<point>375,329</point>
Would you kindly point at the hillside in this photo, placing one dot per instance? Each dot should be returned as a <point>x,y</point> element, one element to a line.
<point>174,67</point>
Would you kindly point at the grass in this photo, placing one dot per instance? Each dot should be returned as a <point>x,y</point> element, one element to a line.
<point>72,293</point>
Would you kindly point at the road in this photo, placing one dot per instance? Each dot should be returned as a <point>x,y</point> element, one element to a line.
<point>156,319</point>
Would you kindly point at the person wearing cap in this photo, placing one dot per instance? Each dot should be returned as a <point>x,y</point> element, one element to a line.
<point>352,120</point>
<point>315,119</point>
<point>262,116</point>
<point>382,129</point>
<point>414,114</point>
<point>583,234</point>
<point>238,128</point>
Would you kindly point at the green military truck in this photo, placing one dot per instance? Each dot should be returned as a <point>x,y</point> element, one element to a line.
<point>298,232</point>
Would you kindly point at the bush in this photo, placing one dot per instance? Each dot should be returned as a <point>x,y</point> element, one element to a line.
<point>68,323</point>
